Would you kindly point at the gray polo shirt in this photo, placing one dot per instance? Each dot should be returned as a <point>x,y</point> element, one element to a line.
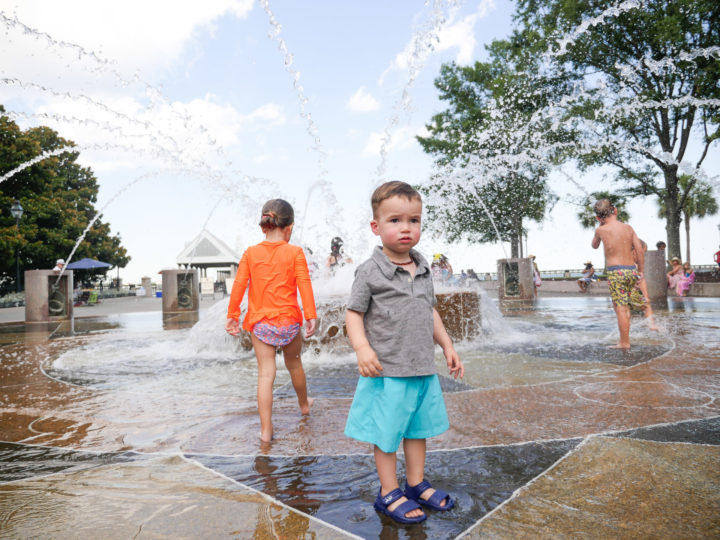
<point>398,313</point>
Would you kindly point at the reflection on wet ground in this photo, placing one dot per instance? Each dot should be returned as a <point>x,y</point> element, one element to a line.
<point>118,428</point>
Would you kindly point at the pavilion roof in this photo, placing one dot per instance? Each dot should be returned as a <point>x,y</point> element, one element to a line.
<point>206,249</point>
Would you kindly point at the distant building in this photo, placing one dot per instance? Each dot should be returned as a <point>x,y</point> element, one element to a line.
<point>207,251</point>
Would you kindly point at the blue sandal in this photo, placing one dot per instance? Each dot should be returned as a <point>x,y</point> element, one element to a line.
<point>382,503</point>
<point>435,499</point>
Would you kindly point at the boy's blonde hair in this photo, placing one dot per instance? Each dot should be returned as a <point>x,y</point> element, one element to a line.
<point>276,214</point>
<point>394,188</point>
<point>603,208</point>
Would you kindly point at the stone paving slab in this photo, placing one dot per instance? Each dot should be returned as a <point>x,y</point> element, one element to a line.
<point>161,497</point>
<point>617,488</point>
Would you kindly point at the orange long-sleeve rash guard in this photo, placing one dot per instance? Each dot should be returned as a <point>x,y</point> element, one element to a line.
<point>272,272</point>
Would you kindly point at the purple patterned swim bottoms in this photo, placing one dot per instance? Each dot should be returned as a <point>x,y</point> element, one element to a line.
<point>277,336</point>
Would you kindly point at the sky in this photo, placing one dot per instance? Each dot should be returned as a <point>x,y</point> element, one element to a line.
<point>192,114</point>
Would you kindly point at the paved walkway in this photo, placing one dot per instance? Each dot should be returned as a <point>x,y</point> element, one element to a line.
<point>107,306</point>
<point>154,435</point>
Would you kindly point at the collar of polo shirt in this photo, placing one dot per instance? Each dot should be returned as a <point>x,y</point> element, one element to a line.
<point>388,268</point>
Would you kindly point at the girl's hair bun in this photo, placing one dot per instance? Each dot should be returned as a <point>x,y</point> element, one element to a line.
<point>276,213</point>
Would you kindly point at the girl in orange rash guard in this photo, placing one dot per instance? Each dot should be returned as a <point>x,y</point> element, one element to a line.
<point>274,271</point>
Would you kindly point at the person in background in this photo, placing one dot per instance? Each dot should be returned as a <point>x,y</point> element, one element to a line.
<point>675,273</point>
<point>588,276</point>
<point>441,268</point>
<point>687,278</point>
<point>716,258</point>
<point>337,256</point>
<point>661,246</point>
<point>59,265</point>
<point>313,266</point>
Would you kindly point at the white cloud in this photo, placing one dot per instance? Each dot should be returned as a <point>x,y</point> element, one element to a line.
<point>362,101</point>
<point>145,35</point>
<point>458,35</point>
<point>401,139</point>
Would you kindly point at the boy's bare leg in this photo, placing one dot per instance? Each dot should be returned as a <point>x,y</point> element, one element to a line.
<point>415,450</point>
<point>293,363</point>
<point>386,464</point>
<point>623,319</point>
<point>265,355</point>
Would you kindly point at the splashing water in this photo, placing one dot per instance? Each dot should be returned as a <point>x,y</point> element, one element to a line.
<point>423,44</point>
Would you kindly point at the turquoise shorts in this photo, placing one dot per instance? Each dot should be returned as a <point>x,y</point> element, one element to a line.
<point>386,410</point>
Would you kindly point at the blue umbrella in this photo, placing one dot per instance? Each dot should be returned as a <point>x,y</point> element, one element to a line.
<point>87,264</point>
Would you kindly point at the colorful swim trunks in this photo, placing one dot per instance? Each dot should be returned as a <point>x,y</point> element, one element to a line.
<point>622,281</point>
<point>277,336</point>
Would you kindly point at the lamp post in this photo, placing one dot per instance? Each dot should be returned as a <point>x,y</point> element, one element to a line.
<point>17,211</point>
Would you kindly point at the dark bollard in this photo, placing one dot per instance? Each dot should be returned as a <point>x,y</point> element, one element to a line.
<point>515,279</point>
<point>47,298</point>
<point>180,298</point>
<point>655,278</point>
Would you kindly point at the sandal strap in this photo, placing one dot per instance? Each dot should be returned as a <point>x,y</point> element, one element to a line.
<point>407,506</point>
<point>418,489</point>
<point>438,497</point>
<point>391,497</point>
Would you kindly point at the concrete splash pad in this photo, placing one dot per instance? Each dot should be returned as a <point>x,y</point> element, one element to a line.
<point>123,429</point>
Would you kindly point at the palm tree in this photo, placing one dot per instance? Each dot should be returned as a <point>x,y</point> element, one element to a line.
<point>587,213</point>
<point>696,201</point>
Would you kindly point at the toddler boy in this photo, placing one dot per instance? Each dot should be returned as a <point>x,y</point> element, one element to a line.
<point>392,322</point>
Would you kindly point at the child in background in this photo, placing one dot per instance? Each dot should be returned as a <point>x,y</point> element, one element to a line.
<point>625,257</point>
<point>392,323</point>
<point>687,279</point>
<point>274,271</point>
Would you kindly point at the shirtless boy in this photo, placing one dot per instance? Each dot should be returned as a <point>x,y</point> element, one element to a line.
<point>619,240</point>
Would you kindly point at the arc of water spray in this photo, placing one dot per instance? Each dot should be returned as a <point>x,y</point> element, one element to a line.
<point>196,167</point>
<point>99,213</point>
<point>612,11</point>
<point>33,161</point>
<point>311,128</point>
<point>422,46</point>
<point>154,94</point>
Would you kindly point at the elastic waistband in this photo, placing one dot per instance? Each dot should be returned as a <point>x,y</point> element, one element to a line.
<point>622,267</point>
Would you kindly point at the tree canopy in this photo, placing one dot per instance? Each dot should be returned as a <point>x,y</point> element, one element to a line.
<point>490,182</point>
<point>58,198</point>
<point>647,101</point>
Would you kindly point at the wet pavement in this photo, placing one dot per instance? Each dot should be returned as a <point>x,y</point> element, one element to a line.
<point>119,429</point>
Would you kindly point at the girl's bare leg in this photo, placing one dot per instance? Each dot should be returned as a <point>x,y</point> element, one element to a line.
<point>293,363</point>
<point>265,355</point>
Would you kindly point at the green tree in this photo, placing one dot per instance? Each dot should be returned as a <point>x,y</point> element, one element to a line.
<point>493,186</point>
<point>58,197</point>
<point>698,202</point>
<point>484,213</point>
<point>586,216</point>
<point>651,79</point>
